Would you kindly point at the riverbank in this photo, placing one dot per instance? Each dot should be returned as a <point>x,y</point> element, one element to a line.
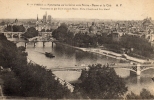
<point>104,52</point>
<point>108,53</point>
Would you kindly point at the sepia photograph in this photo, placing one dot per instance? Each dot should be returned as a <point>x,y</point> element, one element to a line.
<point>83,49</point>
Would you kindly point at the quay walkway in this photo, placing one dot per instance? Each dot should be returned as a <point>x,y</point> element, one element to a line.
<point>115,55</point>
<point>111,54</point>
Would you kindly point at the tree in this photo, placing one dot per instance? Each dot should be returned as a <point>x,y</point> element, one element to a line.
<point>27,79</point>
<point>61,32</point>
<point>21,28</point>
<point>49,30</point>
<point>15,28</point>
<point>85,40</point>
<point>102,82</point>
<point>11,84</point>
<point>8,52</point>
<point>2,23</point>
<point>69,38</point>
<point>144,94</point>
<point>9,28</point>
<point>31,32</point>
<point>43,30</point>
<point>141,46</point>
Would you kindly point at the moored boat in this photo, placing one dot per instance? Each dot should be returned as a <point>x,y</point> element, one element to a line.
<point>48,54</point>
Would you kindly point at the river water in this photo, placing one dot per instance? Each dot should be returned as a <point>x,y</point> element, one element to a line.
<point>69,57</point>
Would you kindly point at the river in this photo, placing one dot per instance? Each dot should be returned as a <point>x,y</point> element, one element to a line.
<point>69,57</point>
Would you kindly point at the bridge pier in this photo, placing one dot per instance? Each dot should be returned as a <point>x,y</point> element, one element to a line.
<point>43,44</point>
<point>138,71</point>
<point>11,35</point>
<point>52,44</point>
<point>18,35</point>
<point>25,44</point>
<point>138,80</point>
<point>34,44</point>
<point>5,34</point>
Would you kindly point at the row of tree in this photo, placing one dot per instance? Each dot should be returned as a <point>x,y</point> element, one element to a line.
<point>31,32</point>
<point>15,28</point>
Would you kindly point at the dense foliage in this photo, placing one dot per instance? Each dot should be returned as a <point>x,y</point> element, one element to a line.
<point>61,32</point>
<point>31,32</point>
<point>101,82</point>
<point>80,39</point>
<point>27,79</point>
<point>48,30</point>
<point>15,28</point>
<point>8,52</point>
<point>144,94</point>
<point>85,40</point>
<point>140,45</point>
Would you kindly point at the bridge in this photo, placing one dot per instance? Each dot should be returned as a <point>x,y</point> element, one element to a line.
<point>138,68</point>
<point>18,34</point>
<point>35,40</point>
<point>76,68</point>
<point>45,33</point>
<point>11,34</point>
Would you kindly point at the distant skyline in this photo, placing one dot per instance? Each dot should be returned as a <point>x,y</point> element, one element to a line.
<point>129,10</point>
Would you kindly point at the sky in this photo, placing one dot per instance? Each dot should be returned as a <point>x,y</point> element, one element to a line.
<point>126,9</point>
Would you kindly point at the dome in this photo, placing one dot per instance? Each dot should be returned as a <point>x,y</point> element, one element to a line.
<point>16,20</point>
<point>92,28</point>
<point>146,22</point>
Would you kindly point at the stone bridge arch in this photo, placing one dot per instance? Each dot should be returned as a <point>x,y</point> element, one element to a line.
<point>147,68</point>
<point>138,68</point>
<point>45,33</point>
<point>13,33</point>
<point>128,69</point>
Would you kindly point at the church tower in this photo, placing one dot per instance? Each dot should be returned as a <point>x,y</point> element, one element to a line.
<point>37,23</point>
<point>46,16</point>
<point>37,17</point>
